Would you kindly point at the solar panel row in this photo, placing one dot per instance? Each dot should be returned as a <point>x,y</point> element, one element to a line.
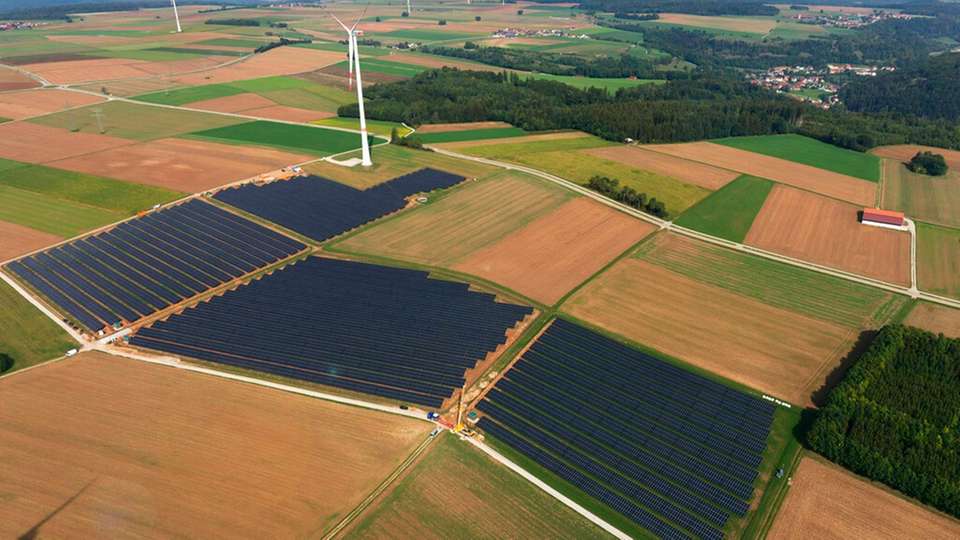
<point>144,265</point>
<point>373,329</point>
<point>321,208</point>
<point>676,444</point>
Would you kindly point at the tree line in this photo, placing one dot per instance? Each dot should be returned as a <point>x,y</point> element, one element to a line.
<point>692,7</point>
<point>930,89</point>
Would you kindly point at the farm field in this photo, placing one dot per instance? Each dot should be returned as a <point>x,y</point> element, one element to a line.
<point>183,165</point>
<point>456,491</point>
<point>391,161</point>
<point>311,140</point>
<point>20,105</point>
<point>51,215</point>
<point>807,151</point>
<point>769,348</point>
<point>831,184</point>
<point>806,292</point>
<point>553,254</point>
<point>935,318</point>
<point>824,231</point>
<point>470,135</point>
<point>18,239</point>
<point>729,213</point>
<point>279,61</point>
<point>460,126</point>
<point>33,143</point>
<point>827,502</point>
<point>163,451</point>
<point>470,218</point>
<point>376,127</point>
<point>563,157</point>
<point>753,25</point>
<point>903,153</point>
<point>27,336</point>
<point>925,198</point>
<point>938,259</point>
<point>11,79</point>
<point>691,172</point>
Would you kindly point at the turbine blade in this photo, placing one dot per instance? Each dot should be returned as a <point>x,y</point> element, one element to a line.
<point>340,22</point>
<point>360,17</point>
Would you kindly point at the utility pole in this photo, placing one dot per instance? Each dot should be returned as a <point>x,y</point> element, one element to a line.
<point>98,114</point>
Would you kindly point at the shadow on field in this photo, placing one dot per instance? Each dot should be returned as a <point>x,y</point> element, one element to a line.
<point>34,531</point>
<point>6,363</point>
<point>819,397</point>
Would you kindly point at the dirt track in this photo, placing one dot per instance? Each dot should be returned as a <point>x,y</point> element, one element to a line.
<point>826,503</point>
<point>18,240</point>
<point>825,231</point>
<point>552,255</point>
<point>108,447</point>
<point>689,171</point>
<point>838,186</point>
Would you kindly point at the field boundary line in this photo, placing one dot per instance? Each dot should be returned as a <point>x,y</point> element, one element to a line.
<point>573,505</point>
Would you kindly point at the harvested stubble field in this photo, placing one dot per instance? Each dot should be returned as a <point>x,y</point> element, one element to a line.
<point>462,126</point>
<point>471,218</point>
<point>471,135</point>
<point>938,259</point>
<point>688,171</point>
<point>825,231</point>
<point>183,165</point>
<point>935,318</point>
<point>827,503</point>
<point>34,143</point>
<point>934,199</point>
<point>550,256</point>
<point>768,348</point>
<point>838,186</point>
<point>18,239</point>
<point>19,105</point>
<point>752,25</point>
<point>11,79</point>
<point>279,61</point>
<point>110,69</point>
<point>903,153</point>
<point>456,491</point>
<point>28,337</point>
<point>143,450</point>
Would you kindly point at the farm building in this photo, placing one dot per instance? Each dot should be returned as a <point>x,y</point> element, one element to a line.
<point>882,218</point>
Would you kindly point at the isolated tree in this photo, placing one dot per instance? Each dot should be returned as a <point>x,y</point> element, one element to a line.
<point>928,163</point>
<point>477,18</point>
<point>442,22</point>
<point>519,12</point>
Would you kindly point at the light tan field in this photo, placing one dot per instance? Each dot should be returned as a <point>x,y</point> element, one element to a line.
<point>17,240</point>
<point>838,186</point>
<point>827,503</point>
<point>473,217</point>
<point>181,164</point>
<point>552,255</point>
<point>771,349</point>
<point>34,143</point>
<point>232,104</point>
<point>935,318</point>
<point>903,152</point>
<point>824,231</point>
<point>462,126</point>
<point>11,79</point>
<point>108,69</point>
<point>932,199</point>
<point>691,172</point>
<point>735,24</point>
<point>19,105</point>
<point>288,114</point>
<point>515,140</point>
<point>279,61</point>
<point>101,446</point>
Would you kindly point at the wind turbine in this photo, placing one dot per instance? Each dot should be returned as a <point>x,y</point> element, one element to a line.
<point>354,60</point>
<point>176,15</point>
<point>409,11</point>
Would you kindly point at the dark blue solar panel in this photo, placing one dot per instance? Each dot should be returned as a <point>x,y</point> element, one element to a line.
<point>395,332</point>
<point>321,208</point>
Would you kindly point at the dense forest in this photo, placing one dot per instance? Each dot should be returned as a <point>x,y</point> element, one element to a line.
<point>930,89</point>
<point>693,7</point>
<point>895,417</point>
<point>681,110</point>
<point>61,8</point>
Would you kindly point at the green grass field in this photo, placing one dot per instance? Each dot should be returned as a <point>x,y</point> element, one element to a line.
<point>27,335</point>
<point>470,135</point>
<point>458,492</point>
<point>135,121</point>
<point>233,42</point>
<point>428,35</point>
<point>50,214</point>
<point>938,259</point>
<point>592,82</point>
<point>317,141</point>
<point>561,158</point>
<point>183,96</point>
<point>800,149</point>
<point>397,69</point>
<point>729,212</point>
<point>810,293</point>
<point>380,128</point>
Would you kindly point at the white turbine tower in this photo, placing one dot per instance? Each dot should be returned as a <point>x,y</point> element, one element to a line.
<point>354,58</point>
<point>409,10</point>
<point>176,15</point>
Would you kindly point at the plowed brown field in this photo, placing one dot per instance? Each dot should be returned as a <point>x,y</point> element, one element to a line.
<point>838,186</point>
<point>552,255</point>
<point>108,69</point>
<point>19,105</point>
<point>34,143</point>
<point>689,171</point>
<point>99,446</point>
<point>232,104</point>
<point>18,240</point>
<point>288,114</point>
<point>279,61</point>
<point>462,126</point>
<point>827,503</point>
<point>938,319</point>
<point>11,79</point>
<point>182,164</point>
<point>824,231</point>
<point>771,349</point>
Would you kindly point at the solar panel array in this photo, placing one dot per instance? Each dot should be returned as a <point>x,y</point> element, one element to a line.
<point>147,264</point>
<point>675,452</point>
<point>386,331</point>
<point>320,209</point>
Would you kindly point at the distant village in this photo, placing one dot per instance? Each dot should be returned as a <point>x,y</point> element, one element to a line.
<point>17,25</point>
<point>528,32</point>
<point>816,86</point>
<point>847,20</point>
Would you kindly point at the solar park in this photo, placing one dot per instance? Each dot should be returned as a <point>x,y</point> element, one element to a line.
<point>675,452</point>
<point>389,332</point>
<point>149,263</point>
<point>321,209</point>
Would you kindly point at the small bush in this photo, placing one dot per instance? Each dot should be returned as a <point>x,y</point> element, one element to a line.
<point>442,22</point>
<point>477,18</point>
